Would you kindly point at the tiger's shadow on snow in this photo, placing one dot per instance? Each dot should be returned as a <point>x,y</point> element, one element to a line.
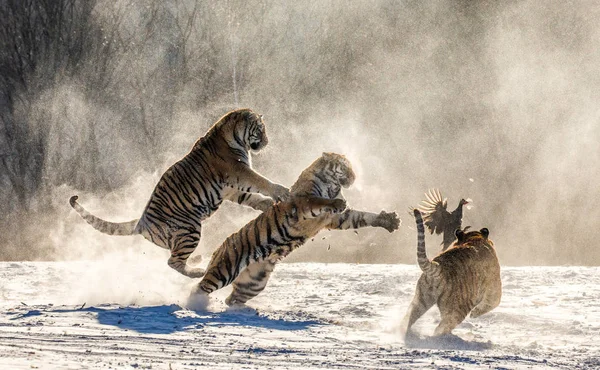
<point>167,319</point>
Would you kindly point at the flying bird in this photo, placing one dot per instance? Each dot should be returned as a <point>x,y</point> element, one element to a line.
<point>437,219</point>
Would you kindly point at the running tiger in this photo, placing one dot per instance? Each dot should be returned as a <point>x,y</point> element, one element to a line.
<point>464,278</point>
<point>248,257</point>
<point>217,167</point>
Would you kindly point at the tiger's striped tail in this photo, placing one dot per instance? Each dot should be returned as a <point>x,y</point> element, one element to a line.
<point>107,227</point>
<point>428,267</point>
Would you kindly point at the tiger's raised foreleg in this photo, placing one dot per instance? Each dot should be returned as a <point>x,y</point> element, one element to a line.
<point>254,279</point>
<point>246,180</point>
<point>352,219</point>
<point>253,200</point>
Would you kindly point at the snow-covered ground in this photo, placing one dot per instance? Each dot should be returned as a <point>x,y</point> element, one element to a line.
<point>110,314</point>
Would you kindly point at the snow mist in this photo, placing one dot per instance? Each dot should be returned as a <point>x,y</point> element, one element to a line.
<point>490,101</point>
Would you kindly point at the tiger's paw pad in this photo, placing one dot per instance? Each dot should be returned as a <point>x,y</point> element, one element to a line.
<point>197,302</point>
<point>194,272</point>
<point>387,220</point>
<point>195,260</point>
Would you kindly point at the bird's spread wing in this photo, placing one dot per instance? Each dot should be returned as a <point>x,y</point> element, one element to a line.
<point>435,215</point>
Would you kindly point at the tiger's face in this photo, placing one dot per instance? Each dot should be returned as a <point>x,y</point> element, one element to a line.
<point>256,137</point>
<point>337,169</point>
<point>325,177</point>
<point>248,129</point>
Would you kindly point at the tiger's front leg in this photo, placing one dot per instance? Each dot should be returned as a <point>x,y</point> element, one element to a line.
<point>253,200</point>
<point>246,180</point>
<point>352,219</point>
<point>250,283</point>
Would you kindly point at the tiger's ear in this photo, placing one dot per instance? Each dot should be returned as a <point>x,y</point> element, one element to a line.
<point>485,232</point>
<point>327,155</point>
<point>459,234</point>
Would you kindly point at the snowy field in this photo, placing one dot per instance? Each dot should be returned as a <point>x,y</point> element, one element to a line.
<point>109,314</point>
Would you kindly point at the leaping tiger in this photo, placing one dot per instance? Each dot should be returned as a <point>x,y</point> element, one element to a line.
<point>217,167</point>
<point>248,256</point>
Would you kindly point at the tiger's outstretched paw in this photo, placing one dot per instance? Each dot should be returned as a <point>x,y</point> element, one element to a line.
<point>387,220</point>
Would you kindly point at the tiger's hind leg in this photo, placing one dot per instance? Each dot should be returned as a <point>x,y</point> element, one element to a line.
<point>481,309</point>
<point>421,303</point>
<point>451,318</point>
<point>251,281</point>
<point>182,245</point>
<point>490,301</point>
<point>221,271</point>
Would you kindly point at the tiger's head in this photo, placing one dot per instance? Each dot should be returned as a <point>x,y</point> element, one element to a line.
<point>244,128</point>
<point>329,173</point>
<point>465,237</point>
<point>337,168</point>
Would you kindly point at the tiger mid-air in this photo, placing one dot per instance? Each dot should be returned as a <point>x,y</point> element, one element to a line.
<point>247,258</point>
<point>217,168</point>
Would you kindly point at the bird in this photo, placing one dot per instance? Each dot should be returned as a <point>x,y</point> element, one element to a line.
<point>437,219</point>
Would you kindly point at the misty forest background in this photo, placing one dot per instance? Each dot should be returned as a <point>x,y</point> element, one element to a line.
<point>494,101</point>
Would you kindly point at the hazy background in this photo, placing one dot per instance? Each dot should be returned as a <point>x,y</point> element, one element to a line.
<point>495,101</point>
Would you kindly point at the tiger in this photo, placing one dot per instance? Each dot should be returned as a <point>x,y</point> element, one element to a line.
<point>464,278</point>
<point>248,257</point>
<point>217,168</point>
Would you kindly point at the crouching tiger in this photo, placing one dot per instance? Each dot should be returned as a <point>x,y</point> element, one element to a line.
<point>248,257</point>
<point>217,168</point>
